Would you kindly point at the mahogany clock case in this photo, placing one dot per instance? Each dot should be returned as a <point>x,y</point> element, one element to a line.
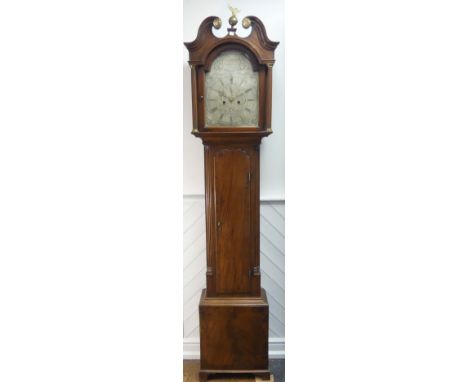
<point>233,308</point>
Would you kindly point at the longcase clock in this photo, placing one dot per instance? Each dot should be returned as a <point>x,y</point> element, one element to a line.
<point>231,102</point>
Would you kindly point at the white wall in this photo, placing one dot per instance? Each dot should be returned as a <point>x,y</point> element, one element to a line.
<point>272,149</point>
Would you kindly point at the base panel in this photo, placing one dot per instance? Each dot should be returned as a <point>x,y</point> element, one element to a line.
<point>234,335</point>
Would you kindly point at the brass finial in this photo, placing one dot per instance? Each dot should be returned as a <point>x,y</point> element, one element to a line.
<point>233,18</point>
<point>217,23</point>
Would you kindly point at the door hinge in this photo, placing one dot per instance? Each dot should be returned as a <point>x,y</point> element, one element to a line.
<point>254,271</point>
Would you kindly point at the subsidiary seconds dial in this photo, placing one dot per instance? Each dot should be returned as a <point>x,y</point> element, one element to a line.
<point>231,88</point>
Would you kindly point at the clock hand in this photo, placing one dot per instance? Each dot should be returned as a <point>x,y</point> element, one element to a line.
<point>230,86</point>
<point>245,92</point>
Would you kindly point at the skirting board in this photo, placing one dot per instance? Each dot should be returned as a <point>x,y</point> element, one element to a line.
<point>192,348</point>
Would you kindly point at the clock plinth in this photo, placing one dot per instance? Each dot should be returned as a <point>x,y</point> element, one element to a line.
<point>234,335</point>
<point>231,103</point>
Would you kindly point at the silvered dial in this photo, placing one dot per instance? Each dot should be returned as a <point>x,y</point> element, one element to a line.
<point>231,89</point>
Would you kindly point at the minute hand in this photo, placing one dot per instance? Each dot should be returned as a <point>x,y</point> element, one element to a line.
<point>244,92</point>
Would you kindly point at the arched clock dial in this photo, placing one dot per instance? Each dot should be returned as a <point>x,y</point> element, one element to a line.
<point>231,89</point>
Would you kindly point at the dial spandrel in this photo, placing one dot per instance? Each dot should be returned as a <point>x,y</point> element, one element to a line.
<point>231,89</point>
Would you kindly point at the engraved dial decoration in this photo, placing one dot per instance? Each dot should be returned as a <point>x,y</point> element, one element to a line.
<point>231,89</point>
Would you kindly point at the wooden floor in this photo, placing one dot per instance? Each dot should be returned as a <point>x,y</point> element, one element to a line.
<point>191,369</point>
